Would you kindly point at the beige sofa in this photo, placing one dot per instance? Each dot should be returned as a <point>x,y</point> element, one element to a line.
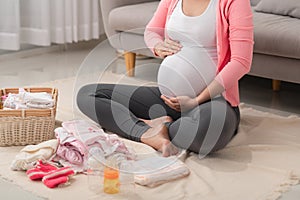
<point>277,42</point>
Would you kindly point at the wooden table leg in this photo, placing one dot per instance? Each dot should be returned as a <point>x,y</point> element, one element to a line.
<point>276,85</point>
<point>130,62</point>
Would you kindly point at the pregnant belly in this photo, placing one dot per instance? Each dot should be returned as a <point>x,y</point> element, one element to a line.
<point>186,73</point>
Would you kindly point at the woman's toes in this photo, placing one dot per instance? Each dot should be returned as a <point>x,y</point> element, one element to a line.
<point>168,149</point>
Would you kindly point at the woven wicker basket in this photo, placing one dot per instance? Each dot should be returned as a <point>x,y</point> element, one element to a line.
<point>30,126</point>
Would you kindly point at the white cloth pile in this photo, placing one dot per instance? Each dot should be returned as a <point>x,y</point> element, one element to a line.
<point>27,100</point>
<point>155,171</point>
<point>28,156</point>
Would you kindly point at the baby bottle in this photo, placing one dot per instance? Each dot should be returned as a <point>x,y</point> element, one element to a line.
<point>118,175</point>
<point>95,170</point>
<point>127,178</point>
<point>111,184</point>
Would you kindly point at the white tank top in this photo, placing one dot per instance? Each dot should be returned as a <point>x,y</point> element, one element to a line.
<point>190,70</point>
<point>197,30</point>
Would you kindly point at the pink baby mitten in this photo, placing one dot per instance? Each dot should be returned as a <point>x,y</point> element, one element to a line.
<point>40,170</point>
<point>57,177</point>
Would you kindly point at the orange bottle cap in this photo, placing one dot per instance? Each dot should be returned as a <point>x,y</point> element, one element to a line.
<point>111,173</point>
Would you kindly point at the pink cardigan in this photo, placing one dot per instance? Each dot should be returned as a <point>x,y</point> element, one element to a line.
<point>234,40</point>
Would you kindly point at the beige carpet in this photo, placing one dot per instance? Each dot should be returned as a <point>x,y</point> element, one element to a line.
<point>261,162</point>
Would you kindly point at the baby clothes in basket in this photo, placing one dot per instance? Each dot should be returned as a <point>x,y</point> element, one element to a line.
<point>26,100</point>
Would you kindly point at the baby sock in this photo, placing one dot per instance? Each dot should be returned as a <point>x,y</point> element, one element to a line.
<point>40,170</point>
<point>52,183</point>
<point>57,177</point>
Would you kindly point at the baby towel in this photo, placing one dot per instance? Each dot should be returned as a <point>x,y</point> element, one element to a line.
<point>157,170</point>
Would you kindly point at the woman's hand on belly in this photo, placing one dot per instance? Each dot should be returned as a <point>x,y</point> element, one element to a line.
<point>180,103</point>
<point>167,48</point>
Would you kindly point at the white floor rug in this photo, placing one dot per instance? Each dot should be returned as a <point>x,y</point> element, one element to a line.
<point>260,163</point>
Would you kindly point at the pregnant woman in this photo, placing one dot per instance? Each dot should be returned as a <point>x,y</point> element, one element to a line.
<point>207,47</point>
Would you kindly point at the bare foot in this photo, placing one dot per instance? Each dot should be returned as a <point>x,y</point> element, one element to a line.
<point>157,121</point>
<point>158,138</point>
<point>169,149</point>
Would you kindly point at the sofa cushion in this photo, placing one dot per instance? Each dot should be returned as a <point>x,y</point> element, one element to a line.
<point>254,2</point>
<point>280,7</point>
<point>132,18</point>
<point>276,35</point>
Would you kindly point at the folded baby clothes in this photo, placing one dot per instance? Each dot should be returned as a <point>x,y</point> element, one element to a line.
<point>26,100</point>
<point>32,153</point>
<point>108,143</point>
<point>13,101</point>
<point>92,135</point>
<point>78,137</point>
<point>36,99</point>
<point>70,154</point>
<point>155,171</point>
<point>86,132</point>
<point>70,148</point>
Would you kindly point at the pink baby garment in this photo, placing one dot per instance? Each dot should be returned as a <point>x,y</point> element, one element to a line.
<point>70,148</point>
<point>93,136</point>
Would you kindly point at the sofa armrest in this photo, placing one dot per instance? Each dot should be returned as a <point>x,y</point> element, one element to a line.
<point>107,5</point>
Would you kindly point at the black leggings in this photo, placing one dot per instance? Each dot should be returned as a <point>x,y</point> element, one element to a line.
<point>117,108</point>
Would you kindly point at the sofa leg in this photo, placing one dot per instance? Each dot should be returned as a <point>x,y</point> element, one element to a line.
<point>276,85</point>
<point>130,62</point>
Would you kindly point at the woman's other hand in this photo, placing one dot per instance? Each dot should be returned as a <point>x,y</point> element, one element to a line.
<point>180,103</point>
<point>167,48</point>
